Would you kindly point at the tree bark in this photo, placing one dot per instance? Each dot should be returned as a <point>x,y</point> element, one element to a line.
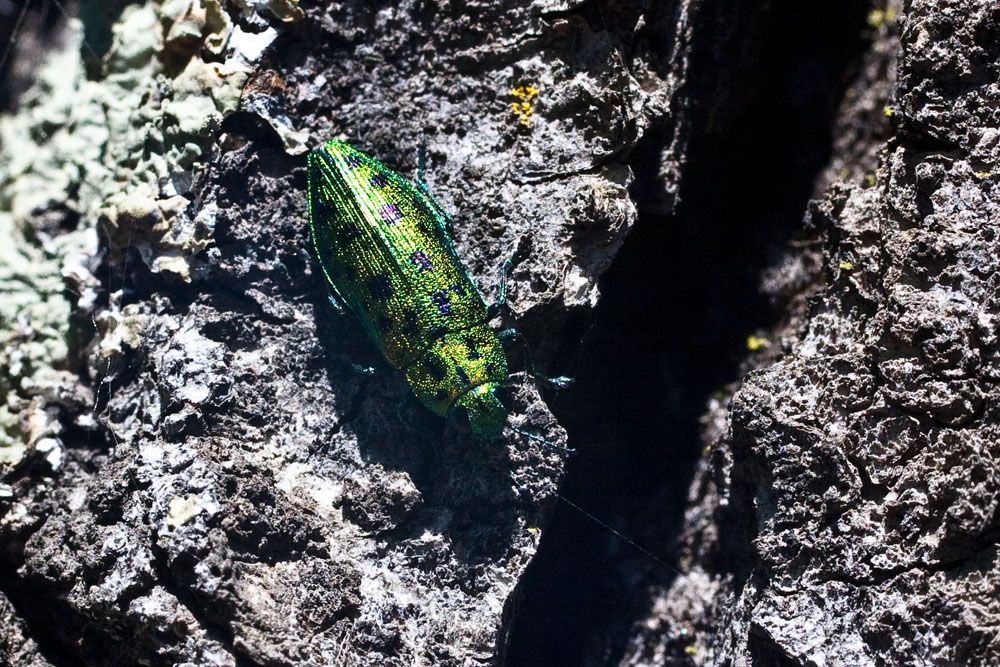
<point>196,473</point>
<point>239,494</point>
<point>847,514</point>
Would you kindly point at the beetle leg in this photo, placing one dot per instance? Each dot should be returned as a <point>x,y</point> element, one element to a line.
<point>513,335</point>
<point>337,301</point>
<point>508,335</point>
<point>437,209</point>
<point>494,308</point>
<point>422,163</point>
<point>538,438</point>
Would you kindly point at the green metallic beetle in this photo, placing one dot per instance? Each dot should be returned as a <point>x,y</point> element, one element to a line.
<point>387,252</point>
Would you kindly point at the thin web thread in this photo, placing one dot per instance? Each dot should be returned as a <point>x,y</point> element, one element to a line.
<point>62,9</point>
<point>13,35</point>
<point>593,518</point>
<point>20,21</point>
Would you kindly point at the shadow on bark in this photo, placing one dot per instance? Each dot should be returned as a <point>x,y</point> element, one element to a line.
<point>676,309</point>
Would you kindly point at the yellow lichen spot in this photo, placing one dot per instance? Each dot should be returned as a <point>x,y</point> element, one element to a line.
<point>888,111</point>
<point>757,343</point>
<point>870,180</point>
<point>523,108</point>
<point>982,174</point>
<point>845,266</point>
<point>181,510</point>
<point>690,650</point>
<point>880,17</point>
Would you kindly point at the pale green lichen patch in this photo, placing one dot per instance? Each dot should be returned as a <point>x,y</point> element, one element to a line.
<point>122,153</point>
<point>178,125</point>
<point>119,328</point>
<point>33,325</point>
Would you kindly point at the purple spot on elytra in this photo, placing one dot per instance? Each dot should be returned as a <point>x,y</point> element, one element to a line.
<point>379,181</point>
<point>442,300</point>
<point>353,161</point>
<point>390,213</point>
<point>421,261</point>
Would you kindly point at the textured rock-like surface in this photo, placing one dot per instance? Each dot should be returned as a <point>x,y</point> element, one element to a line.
<point>858,466</point>
<point>240,493</point>
<point>16,644</point>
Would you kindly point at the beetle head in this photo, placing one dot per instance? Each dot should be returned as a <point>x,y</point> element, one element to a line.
<point>487,415</point>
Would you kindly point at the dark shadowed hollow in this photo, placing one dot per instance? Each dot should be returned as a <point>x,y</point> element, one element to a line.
<point>675,312</point>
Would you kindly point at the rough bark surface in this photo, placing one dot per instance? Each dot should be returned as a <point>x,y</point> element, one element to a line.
<point>239,494</point>
<point>195,473</point>
<point>848,512</point>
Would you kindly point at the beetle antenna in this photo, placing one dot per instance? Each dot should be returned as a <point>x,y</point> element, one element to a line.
<point>561,448</point>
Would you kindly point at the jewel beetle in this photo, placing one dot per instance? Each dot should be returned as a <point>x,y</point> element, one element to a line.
<point>385,247</point>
